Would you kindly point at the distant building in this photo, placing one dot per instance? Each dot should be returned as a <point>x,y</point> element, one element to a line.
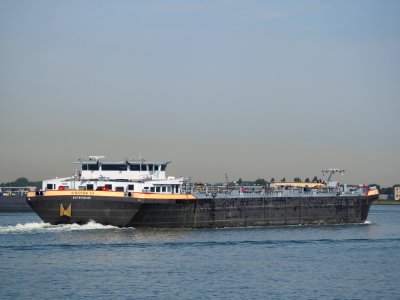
<point>397,193</point>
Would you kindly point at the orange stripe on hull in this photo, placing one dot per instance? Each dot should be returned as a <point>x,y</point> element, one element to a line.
<point>31,194</point>
<point>79,193</point>
<point>372,193</point>
<point>144,196</point>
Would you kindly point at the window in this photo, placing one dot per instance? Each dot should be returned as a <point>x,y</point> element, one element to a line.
<point>90,167</point>
<point>93,167</point>
<point>135,167</point>
<point>150,168</point>
<point>152,189</point>
<point>164,189</point>
<point>163,167</point>
<point>119,188</point>
<point>169,189</point>
<point>49,186</point>
<point>143,167</point>
<point>89,187</point>
<point>106,167</point>
<point>82,188</point>
<point>155,167</point>
<point>158,189</point>
<point>108,186</point>
<point>131,187</point>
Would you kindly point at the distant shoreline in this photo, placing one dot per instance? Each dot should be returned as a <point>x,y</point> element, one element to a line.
<point>386,202</point>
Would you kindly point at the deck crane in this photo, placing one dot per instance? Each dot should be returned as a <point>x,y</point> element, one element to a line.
<point>331,172</point>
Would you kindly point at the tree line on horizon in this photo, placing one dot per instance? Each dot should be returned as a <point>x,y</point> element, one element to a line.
<point>21,182</point>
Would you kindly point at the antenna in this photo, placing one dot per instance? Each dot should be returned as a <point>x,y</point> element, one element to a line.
<point>96,157</point>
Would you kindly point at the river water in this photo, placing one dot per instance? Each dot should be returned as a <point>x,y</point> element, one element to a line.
<point>40,261</point>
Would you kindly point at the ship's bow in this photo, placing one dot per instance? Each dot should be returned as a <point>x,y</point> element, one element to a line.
<point>81,207</point>
<point>371,196</point>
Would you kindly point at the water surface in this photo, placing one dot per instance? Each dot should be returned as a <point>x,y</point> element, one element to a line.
<point>93,261</point>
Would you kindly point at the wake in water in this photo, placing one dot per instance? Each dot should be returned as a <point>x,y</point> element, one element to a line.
<point>46,227</point>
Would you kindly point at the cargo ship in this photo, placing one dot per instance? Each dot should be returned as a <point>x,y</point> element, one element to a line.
<point>137,193</point>
<point>13,199</point>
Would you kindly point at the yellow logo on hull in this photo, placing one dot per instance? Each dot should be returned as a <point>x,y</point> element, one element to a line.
<point>65,212</point>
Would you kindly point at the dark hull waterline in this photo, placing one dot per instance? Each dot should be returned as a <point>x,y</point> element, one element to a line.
<point>203,212</point>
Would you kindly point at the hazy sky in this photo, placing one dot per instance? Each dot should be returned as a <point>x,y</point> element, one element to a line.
<point>248,88</point>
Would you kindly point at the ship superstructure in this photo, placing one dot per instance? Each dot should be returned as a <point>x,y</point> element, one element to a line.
<point>131,176</point>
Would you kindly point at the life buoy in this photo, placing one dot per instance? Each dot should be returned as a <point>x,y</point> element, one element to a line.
<point>105,188</point>
<point>61,188</point>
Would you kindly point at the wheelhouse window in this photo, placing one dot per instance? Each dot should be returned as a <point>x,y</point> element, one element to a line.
<point>163,167</point>
<point>135,167</point>
<point>150,168</point>
<point>143,167</point>
<point>93,167</point>
<point>90,167</point>
<point>155,167</point>
<point>112,167</point>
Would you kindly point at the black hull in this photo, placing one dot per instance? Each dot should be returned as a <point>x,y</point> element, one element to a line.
<point>204,212</point>
<point>242,212</point>
<point>117,211</point>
